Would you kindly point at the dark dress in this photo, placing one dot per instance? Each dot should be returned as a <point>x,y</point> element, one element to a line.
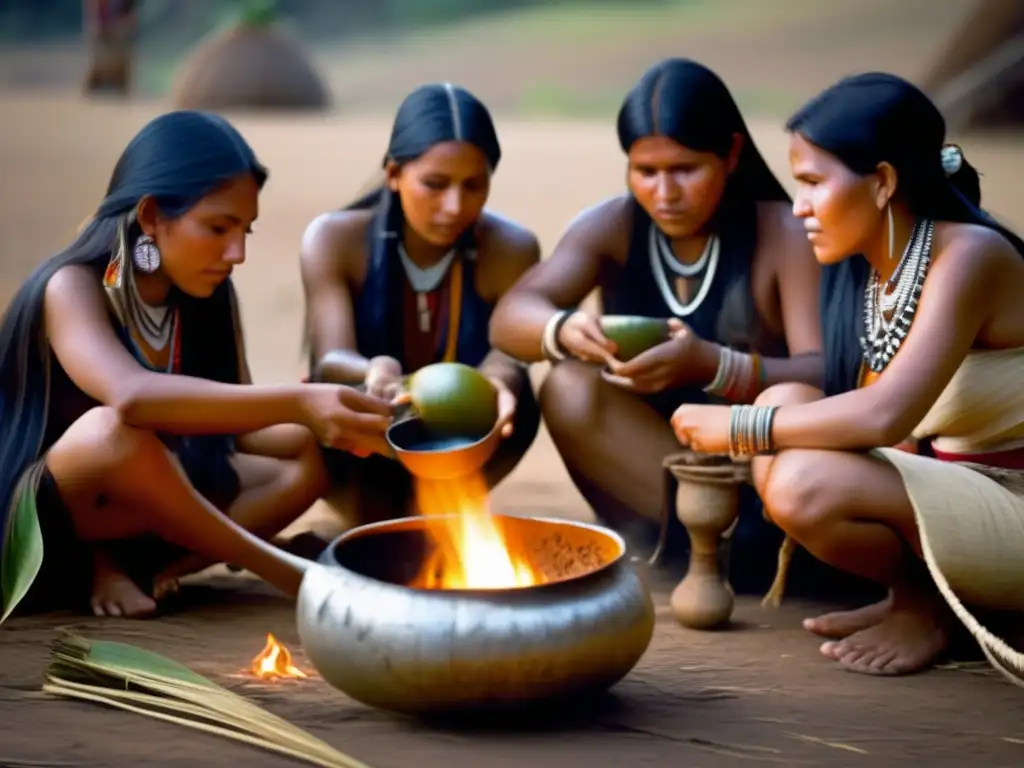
<point>207,346</point>
<point>386,322</point>
<point>727,316</point>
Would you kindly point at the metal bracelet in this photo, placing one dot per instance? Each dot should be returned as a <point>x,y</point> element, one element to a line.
<point>735,376</point>
<point>750,430</point>
<point>549,346</point>
<point>717,385</point>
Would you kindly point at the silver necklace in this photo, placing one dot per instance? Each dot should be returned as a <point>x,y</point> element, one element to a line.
<point>424,280</point>
<point>663,261</point>
<point>899,296</point>
<point>154,323</point>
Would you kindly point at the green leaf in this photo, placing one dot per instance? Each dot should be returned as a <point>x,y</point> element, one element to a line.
<point>22,555</point>
<point>123,660</point>
<point>139,681</point>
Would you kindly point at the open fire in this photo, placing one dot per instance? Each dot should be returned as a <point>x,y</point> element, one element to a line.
<point>472,552</point>
<point>274,662</point>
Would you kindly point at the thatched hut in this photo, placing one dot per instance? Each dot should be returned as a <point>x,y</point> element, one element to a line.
<point>254,64</point>
<point>978,78</point>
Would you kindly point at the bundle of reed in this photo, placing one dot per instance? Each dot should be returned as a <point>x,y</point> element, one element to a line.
<point>136,680</point>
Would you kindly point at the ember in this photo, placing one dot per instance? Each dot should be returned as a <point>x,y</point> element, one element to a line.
<point>472,552</point>
<point>274,662</point>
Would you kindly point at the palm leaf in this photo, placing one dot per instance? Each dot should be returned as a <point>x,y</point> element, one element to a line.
<point>22,554</point>
<point>133,679</point>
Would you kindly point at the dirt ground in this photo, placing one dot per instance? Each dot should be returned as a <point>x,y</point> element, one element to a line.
<point>758,693</point>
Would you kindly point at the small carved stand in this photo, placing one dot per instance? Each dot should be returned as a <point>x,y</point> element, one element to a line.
<point>707,504</point>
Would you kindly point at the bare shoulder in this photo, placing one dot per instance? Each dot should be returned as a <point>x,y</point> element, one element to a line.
<point>333,243</point>
<point>779,231</point>
<point>602,230</point>
<point>499,237</point>
<point>73,282</point>
<point>607,219</point>
<point>506,251</point>
<point>972,249</point>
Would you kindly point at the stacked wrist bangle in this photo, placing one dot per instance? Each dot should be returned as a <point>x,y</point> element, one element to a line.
<point>740,377</point>
<point>549,345</point>
<point>750,430</point>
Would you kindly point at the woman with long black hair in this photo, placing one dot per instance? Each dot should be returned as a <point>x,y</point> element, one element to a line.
<point>908,468</point>
<point>133,446</point>
<point>704,236</point>
<point>408,275</point>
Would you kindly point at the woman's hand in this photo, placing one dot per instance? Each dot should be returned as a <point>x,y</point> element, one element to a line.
<point>383,377</point>
<point>679,361</point>
<point>344,418</point>
<point>581,337</point>
<point>704,428</point>
<point>506,406</point>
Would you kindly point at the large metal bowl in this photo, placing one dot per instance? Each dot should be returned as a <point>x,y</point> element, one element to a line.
<point>421,651</point>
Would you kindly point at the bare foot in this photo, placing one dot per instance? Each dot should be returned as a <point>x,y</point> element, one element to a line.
<point>164,586</point>
<point>908,639</point>
<point>839,624</point>
<point>167,581</point>
<point>114,594</point>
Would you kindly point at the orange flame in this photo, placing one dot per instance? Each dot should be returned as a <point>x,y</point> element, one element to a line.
<point>471,552</point>
<point>274,662</point>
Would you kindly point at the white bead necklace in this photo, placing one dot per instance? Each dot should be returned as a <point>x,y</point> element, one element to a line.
<point>663,261</point>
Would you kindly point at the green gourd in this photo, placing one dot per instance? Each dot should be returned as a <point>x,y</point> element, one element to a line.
<point>633,334</point>
<point>454,400</point>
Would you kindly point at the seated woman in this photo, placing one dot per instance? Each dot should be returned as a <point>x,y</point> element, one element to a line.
<point>705,236</point>
<point>924,344</point>
<point>408,275</point>
<point>132,439</point>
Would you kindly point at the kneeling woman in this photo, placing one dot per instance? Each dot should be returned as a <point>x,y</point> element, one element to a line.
<point>408,275</point>
<point>924,331</point>
<point>133,443</point>
<point>704,236</point>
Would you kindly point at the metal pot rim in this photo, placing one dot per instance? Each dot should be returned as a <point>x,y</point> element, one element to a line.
<point>417,521</point>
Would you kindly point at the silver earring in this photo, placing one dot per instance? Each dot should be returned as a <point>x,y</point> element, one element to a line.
<point>892,236</point>
<point>145,255</point>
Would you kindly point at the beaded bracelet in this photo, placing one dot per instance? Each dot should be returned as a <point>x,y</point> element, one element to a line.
<point>740,377</point>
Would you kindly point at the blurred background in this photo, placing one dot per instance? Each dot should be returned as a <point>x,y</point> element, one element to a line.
<point>536,58</point>
<point>313,85</point>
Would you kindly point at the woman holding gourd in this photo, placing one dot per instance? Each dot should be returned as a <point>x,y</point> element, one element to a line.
<point>408,275</point>
<point>705,236</point>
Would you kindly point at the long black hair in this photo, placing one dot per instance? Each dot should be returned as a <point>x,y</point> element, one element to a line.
<point>687,102</point>
<point>864,120</point>
<point>178,158</point>
<point>430,115</point>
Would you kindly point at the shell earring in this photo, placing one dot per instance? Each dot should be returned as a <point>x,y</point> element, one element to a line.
<point>892,236</point>
<point>145,255</point>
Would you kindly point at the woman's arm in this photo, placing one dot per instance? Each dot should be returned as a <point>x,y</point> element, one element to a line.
<point>512,252</point>
<point>561,281</point>
<point>325,265</point>
<point>798,277</point>
<point>80,333</point>
<point>957,301</point>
